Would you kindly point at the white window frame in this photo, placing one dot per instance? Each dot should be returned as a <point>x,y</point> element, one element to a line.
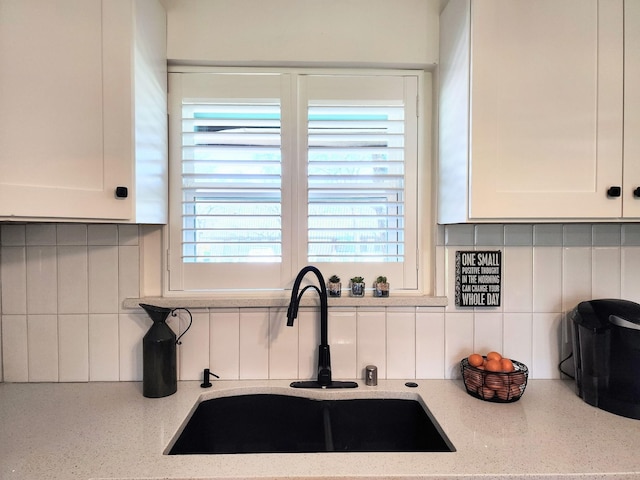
<point>417,258</point>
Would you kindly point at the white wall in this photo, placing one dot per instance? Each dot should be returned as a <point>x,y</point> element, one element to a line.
<point>378,33</point>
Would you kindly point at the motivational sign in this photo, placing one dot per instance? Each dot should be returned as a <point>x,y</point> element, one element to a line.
<point>478,278</point>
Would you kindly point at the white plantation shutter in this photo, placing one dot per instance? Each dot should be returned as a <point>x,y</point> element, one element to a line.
<point>361,149</point>
<point>271,172</point>
<point>231,181</point>
<point>356,183</point>
<point>226,180</point>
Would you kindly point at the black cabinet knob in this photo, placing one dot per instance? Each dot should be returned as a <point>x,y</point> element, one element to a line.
<point>614,191</point>
<point>636,192</point>
<point>122,192</point>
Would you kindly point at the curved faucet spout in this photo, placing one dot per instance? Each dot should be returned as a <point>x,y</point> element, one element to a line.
<point>324,356</point>
<point>292,312</point>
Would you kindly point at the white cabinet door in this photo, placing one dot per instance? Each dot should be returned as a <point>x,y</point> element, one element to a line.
<point>543,105</point>
<point>52,152</point>
<point>631,109</point>
<point>83,124</point>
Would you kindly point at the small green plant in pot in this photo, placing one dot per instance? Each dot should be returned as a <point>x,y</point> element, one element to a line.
<point>381,287</point>
<point>334,287</point>
<point>357,287</point>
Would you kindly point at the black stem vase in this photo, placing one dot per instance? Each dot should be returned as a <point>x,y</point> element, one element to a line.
<point>159,361</point>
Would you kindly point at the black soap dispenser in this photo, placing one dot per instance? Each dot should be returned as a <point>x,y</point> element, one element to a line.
<point>159,357</point>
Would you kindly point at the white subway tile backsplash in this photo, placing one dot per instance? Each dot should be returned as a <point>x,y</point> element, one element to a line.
<point>128,273</point>
<point>518,235</point>
<point>62,287</point>
<point>372,346</point>
<point>71,234</point>
<point>72,281</point>
<point>429,343</point>
<point>462,234</point>
<point>128,235</point>
<point>193,350</point>
<point>42,280</point>
<point>517,343</point>
<point>401,343</point>
<point>254,348</point>
<point>103,279</point>
<point>547,279</point>
<point>546,345</point>
<point>283,346</point>
<point>13,279</point>
<point>576,278</point>
<point>548,235</point>
<point>73,348</point>
<point>42,344</point>
<point>15,349</point>
<point>308,323</point>
<point>13,235</point>
<point>631,234</point>
<point>224,343</point>
<point>490,235</point>
<point>607,235</point>
<point>41,234</point>
<point>487,332</point>
<point>102,234</point>
<point>343,335</point>
<point>517,282</point>
<point>629,268</point>
<point>104,349</point>
<point>132,328</point>
<point>458,341</point>
<point>606,272</point>
<point>577,235</point>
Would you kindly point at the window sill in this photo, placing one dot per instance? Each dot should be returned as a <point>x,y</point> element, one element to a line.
<point>283,301</point>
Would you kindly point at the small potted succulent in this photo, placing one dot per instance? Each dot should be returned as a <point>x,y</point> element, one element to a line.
<point>381,287</point>
<point>357,287</point>
<point>334,287</point>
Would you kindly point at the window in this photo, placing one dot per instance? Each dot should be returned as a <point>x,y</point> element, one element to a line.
<point>274,171</point>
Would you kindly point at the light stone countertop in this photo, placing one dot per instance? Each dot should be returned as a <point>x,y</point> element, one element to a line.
<point>109,430</point>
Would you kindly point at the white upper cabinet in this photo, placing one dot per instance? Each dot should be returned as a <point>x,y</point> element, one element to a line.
<point>631,194</point>
<point>531,110</point>
<point>83,125</point>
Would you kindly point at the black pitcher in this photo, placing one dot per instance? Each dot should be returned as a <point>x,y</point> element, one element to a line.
<point>159,375</point>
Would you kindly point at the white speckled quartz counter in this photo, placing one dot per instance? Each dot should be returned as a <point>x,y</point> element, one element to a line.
<point>109,430</point>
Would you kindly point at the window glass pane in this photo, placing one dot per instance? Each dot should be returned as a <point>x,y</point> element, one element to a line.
<point>231,182</point>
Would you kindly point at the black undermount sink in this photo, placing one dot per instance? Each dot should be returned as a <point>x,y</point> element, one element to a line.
<point>271,423</point>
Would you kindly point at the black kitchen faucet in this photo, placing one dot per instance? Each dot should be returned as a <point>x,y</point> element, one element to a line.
<point>324,357</point>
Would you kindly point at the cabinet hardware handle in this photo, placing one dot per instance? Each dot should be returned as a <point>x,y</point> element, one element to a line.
<point>614,191</point>
<point>636,192</point>
<point>122,192</point>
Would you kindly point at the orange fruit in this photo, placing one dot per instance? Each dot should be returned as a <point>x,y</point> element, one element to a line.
<point>475,360</point>
<point>493,366</point>
<point>507,365</point>
<point>494,356</point>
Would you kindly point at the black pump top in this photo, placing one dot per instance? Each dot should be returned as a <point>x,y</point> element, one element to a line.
<point>596,314</point>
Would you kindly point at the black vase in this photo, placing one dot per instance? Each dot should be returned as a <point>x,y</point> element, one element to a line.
<point>159,364</point>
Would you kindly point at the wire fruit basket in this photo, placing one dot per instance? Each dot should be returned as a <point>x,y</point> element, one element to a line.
<point>500,387</point>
